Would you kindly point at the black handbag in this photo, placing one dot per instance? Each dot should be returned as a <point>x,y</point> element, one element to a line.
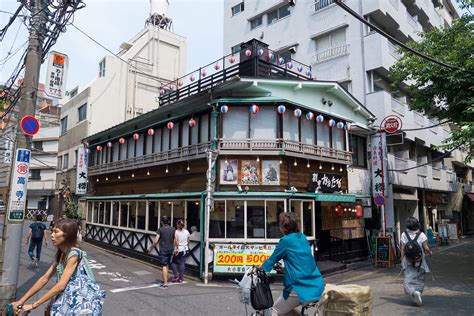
<point>260,293</point>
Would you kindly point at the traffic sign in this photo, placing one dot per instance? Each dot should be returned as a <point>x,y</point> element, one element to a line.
<point>379,200</point>
<point>29,125</point>
<point>19,186</point>
<point>392,124</point>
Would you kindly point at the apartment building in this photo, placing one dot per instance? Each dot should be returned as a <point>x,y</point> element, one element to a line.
<point>340,48</point>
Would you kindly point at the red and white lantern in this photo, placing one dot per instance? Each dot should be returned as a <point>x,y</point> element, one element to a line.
<point>340,125</point>
<point>180,83</point>
<point>297,113</point>
<point>217,66</point>
<point>320,118</point>
<point>109,145</point>
<point>248,53</point>
<point>224,109</point>
<point>310,116</point>
<point>348,126</point>
<point>136,136</point>
<point>151,132</point>
<point>99,148</point>
<point>231,59</point>
<point>331,123</point>
<point>203,73</point>
<point>260,52</point>
<point>191,78</point>
<point>271,56</point>
<point>192,123</point>
<point>170,125</point>
<point>254,109</point>
<point>281,109</point>
<point>121,140</point>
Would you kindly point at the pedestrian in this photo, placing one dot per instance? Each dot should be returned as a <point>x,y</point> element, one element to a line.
<point>413,249</point>
<point>178,265</point>
<point>165,238</point>
<point>195,235</point>
<point>75,292</point>
<point>35,238</point>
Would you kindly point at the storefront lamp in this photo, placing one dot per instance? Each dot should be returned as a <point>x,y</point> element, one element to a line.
<point>359,211</point>
<point>320,166</point>
<point>340,168</point>
<point>133,175</point>
<point>308,165</point>
<point>295,163</point>
<point>332,167</point>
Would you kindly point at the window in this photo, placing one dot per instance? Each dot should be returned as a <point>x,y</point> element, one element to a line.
<point>331,45</point>
<point>141,215</point>
<point>82,113</point>
<point>64,125</point>
<point>235,49</point>
<point>307,132</point>
<point>256,22</point>
<point>102,68</point>
<point>107,213</point>
<point>338,136</point>
<point>153,215</point>
<point>290,127</point>
<point>376,83</point>
<point>75,157</point>
<point>35,174</point>
<point>255,219</point>
<point>236,123</point>
<point>235,219</point>
<point>273,210</point>
<point>323,131</point>
<point>204,128</point>
<point>65,161</point>
<point>321,4</point>
<point>115,213</point>
<point>358,147</point>
<point>286,55</point>
<point>278,14</point>
<point>237,8</point>
<point>38,145</point>
<point>264,125</point>
<point>60,162</point>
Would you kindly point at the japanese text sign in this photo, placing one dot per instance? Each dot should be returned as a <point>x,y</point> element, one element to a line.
<point>235,258</point>
<point>379,165</point>
<point>325,182</point>
<point>56,75</point>
<point>17,201</point>
<point>81,176</point>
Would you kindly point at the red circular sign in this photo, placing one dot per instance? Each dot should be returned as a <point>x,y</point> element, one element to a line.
<point>392,124</point>
<point>30,125</point>
<point>379,200</point>
<point>22,168</point>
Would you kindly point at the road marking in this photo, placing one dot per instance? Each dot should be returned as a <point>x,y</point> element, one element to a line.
<point>119,280</point>
<point>142,273</point>
<point>96,265</point>
<point>134,288</point>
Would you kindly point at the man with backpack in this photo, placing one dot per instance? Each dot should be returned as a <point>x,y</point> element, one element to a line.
<point>414,245</point>
<point>35,238</point>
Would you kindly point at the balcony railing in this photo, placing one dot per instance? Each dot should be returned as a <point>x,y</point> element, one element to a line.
<point>413,21</point>
<point>401,164</point>
<point>279,146</point>
<point>330,53</point>
<point>436,173</point>
<point>178,154</point>
<point>398,107</point>
<point>321,4</point>
<point>422,170</point>
<point>393,50</point>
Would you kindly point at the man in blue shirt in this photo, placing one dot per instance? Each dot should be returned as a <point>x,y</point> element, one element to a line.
<point>36,234</point>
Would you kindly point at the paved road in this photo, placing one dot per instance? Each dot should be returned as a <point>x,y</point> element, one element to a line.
<point>131,286</point>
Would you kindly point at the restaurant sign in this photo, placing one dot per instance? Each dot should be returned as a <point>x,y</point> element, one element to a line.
<point>235,258</point>
<point>325,182</point>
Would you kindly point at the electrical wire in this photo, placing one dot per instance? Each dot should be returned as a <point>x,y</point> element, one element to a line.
<point>422,128</point>
<point>395,41</point>
<point>4,30</point>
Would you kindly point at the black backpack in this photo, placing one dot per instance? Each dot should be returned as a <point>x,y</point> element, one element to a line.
<point>413,251</point>
<point>38,233</point>
<point>260,294</point>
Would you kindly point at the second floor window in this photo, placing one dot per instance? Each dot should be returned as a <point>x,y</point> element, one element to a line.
<point>256,22</point>
<point>358,147</point>
<point>65,161</point>
<point>82,113</point>
<point>38,145</point>
<point>331,45</point>
<point>235,48</point>
<point>64,125</point>
<point>60,162</point>
<point>278,14</point>
<point>35,174</point>
<point>236,9</point>
<point>102,68</point>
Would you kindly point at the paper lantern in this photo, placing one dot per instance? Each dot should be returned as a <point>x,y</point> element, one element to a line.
<point>289,65</point>
<point>254,109</point>
<point>248,53</point>
<point>320,118</point>
<point>340,125</point>
<point>260,52</point>
<point>162,91</point>
<point>331,123</point>
<point>339,210</point>
<point>231,59</point>
<point>300,68</point>
<point>310,116</point>
<point>180,83</point>
<point>191,78</point>
<point>121,140</point>
<point>281,109</point>
<point>348,126</point>
<point>170,125</point>
<point>203,72</point>
<point>308,73</point>
<point>297,113</point>
<point>281,60</point>
<point>109,144</point>
<point>224,109</point>
<point>136,136</point>
<point>271,56</point>
<point>192,123</point>
<point>151,132</point>
<point>358,210</point>
<point>99,148</point>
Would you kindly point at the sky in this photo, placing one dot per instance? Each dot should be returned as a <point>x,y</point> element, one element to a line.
<point>112,22</point>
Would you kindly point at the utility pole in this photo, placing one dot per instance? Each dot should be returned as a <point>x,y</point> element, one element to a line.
<point>11,246</point>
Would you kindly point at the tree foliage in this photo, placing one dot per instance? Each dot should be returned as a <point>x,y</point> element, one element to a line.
<point>439,91</point>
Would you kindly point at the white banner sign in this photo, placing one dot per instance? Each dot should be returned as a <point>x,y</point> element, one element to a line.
<point>8,153</point>
<point>56,75</point>
<point>17,201</point>
<point>379,165</point>
<point>81,176</point>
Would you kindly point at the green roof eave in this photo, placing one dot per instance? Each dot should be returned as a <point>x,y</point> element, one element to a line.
<point>144,196</point>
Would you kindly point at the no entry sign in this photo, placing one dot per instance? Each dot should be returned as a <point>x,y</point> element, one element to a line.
<point>29,125</point>
<point>392,124</point>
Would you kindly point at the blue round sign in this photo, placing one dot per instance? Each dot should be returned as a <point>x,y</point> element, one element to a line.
<point>379,200</point>
<point>30,125</point>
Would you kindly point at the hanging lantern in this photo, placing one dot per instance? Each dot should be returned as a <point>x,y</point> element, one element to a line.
<point>217,66</point>
<point>151,132</point>
<point>260,52</point>
<point>170,125</point>
<point>180,83</point>
<point>162,91</point>
<point>99,148</point>
<point>331,123</point>
<point>340,125</point>
<point>358,210</point>
<point>348,126</point>
<point>191,78</point>
<point>109,145</point>
<point>248,53</point>
<point>281,109</point>
<point>339,210</point>
<point>271,56</point>
<point>320,118</point>
<point>254,109</point>
<point>192,123</point>
<point>297,113</point>
<point>289,65</point>
<point>281,60</point>
<point>231,59</point>
<point>310,116</point>
<point>300,68</point>
<point>224,109</point>
<point>308,73</point>
<point>136,136</point>
<point>121,140</point>
<point>203,72</point>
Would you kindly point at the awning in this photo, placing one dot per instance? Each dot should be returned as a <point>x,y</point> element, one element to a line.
<point>344,198</point>
<point>404,196</point>
<point>470,196</point>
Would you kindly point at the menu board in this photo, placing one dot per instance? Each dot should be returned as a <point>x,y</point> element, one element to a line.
<point>383,251</point>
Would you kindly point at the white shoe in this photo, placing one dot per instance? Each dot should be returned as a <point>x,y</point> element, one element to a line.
<point>417,298</point>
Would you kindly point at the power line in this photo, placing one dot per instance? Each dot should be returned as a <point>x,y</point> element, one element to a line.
<point>396,41</point>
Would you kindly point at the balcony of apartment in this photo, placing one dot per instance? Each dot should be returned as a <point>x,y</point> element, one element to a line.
<point>424,10</point>
<point>384,13</point>
<point>38,184</point>
<point>331,53</point>
<point>319,5</point>
<point>385,104</point>
<point>278,147</point>
<point>382,54</point>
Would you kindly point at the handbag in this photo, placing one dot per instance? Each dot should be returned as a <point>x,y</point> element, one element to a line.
<point>82,295</point>
<point>260,293</point>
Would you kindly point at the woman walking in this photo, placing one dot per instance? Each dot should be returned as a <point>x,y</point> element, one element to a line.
<point>179,260</point>
<point>75,291</point>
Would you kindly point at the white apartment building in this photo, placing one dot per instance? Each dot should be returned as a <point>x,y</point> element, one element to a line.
<point>340,48</point>
<point>126,87</point>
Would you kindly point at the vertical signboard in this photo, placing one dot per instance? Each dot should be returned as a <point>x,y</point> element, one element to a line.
<point>379,165</point>
<point>56,75</point>
<point>17,201</point>
<point>8,153</point>
<point>81,176</point>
